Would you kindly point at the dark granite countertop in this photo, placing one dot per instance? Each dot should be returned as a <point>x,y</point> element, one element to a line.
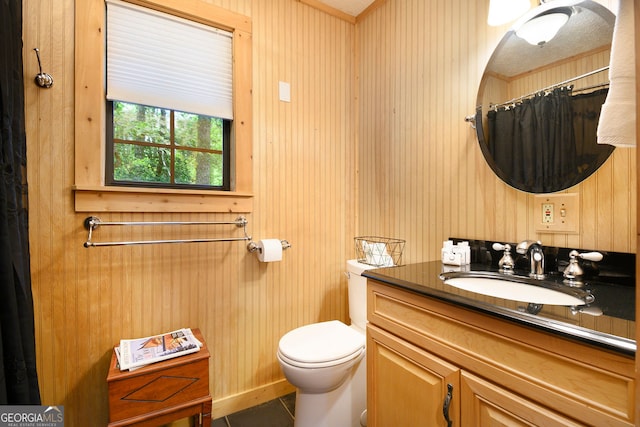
<point>613,328</point>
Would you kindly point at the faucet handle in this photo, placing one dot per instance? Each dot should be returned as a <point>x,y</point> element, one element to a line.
<point>499,246</point>
<point>573,270</point>
<point>590,256</point>
<point>506,263</point>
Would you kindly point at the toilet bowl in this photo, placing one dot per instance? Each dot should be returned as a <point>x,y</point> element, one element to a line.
<point>326,362</point>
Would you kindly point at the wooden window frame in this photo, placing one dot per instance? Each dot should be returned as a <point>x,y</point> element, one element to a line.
<point>91,193</point>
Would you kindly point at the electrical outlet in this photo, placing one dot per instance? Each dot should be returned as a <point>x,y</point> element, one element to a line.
<point>557,213</point>
<point>547,213</point>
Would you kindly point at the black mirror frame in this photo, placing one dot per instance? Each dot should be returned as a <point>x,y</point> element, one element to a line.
<point>479,126</point>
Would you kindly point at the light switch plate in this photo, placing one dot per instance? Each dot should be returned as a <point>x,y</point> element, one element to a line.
<point>284,91</point>
<point>557,213</point>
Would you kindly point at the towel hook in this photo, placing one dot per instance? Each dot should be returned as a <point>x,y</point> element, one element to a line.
<point>43,80</point>
<point>471,119</point>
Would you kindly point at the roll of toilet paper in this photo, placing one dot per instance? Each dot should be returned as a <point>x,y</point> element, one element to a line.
<point>269,250</point>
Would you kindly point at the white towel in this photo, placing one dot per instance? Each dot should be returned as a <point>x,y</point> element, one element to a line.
<point>617,125</point>
<point>376,254</point>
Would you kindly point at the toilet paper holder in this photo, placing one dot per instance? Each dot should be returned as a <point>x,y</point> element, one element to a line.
<point>253,246</point>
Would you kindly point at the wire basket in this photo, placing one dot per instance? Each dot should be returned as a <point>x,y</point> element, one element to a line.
<point>379,251</point>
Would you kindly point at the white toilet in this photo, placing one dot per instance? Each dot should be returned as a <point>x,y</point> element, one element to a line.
<point>326,363</point>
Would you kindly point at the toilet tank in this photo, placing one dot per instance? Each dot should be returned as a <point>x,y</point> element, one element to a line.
<point>358,293</point>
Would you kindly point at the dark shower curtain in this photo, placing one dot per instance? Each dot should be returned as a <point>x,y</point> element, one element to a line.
<point>533,142</point>
<point>548,142</point>
<point>18,377</point>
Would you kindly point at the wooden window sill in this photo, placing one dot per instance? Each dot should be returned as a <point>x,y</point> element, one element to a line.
<point>125,199</point>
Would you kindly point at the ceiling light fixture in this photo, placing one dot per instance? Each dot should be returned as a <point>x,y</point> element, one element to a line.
<point>503,11</point>
<point>544,27</point>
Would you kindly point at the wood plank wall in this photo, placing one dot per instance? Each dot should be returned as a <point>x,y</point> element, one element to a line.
<point>373,142</point>
<point>304,186</point>
<point>637,53</point>
<point>422,176</point>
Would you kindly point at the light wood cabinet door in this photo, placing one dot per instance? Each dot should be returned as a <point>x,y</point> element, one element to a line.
<point>408,385</point>
<point>484,404</point>
<point>418,345</point>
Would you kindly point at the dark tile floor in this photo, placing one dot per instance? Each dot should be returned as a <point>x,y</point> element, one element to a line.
<point>276,413</point>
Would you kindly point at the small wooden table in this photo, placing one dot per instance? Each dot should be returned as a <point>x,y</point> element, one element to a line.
<point>161,392</point>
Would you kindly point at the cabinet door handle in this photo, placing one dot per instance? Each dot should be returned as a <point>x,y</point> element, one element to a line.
<point>447,404</point>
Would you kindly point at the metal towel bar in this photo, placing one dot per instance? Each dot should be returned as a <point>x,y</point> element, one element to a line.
<point>92,222</point>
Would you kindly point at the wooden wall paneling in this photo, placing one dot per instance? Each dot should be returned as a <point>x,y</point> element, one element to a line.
<point>603,205</point>
<point>411,217</point>
<point>623,194</point>
<point>637,206</point>
<point>506,214</point>
<point>87,299</point>
<point>312,186</point>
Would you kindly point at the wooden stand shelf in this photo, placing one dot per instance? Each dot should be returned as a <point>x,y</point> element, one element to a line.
<point>161,392</point>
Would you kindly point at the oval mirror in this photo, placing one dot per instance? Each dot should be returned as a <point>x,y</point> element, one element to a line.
<point>539,101</point>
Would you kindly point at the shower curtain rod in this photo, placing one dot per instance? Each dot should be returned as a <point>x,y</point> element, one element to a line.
<point>582,89</point>
<point>520,98</point>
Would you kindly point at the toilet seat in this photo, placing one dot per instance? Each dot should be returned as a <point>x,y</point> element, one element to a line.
<point>319,365</point>
<point>321,344</point>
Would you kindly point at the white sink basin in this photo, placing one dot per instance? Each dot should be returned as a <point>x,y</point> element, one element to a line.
<point>517,288</point>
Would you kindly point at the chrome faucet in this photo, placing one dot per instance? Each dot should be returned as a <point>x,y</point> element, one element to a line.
<point>533,248</point>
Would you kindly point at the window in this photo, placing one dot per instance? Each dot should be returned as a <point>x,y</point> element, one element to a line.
<point>152,146</point>
<point>199,155</point>
<point>169,92</point>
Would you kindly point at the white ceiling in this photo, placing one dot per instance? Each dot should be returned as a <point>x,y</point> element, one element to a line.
<point>350,7</point>
<point>590,28</point>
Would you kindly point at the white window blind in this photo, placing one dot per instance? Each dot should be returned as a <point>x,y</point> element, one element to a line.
<point>160,60</point>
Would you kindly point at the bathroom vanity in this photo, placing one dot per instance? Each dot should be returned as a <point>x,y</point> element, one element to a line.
<point>438,353</point>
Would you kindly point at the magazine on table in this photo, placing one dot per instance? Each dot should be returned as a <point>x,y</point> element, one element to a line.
<point>135,353</point>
